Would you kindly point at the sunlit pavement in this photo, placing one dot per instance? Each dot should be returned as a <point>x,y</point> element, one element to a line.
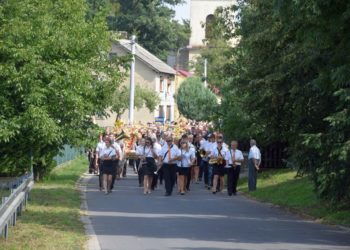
<point>128,219</point>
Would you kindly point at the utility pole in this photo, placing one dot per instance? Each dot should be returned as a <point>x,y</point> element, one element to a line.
<point>205,72</point>
<point>132,80</point>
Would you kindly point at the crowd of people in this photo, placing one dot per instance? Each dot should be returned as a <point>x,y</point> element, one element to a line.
<point>177,155</point>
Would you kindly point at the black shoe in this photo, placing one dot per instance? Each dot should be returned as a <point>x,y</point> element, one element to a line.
<point>229,194</point>
<point>235,193</point>
<point>167,194</point>
<point>182,193</point>
<point>214,192</point>
<point>208,187</point>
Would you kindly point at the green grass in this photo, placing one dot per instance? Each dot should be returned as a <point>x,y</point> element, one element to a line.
<point>52,217</point>
<point>283,188</point>
<point>4,192</point>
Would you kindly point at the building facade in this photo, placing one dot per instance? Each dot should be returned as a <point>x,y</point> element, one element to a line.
<point>202,12</point>
<point>151,73</point>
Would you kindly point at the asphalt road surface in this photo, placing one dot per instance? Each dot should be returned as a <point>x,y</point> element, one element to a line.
<point>128,219</point>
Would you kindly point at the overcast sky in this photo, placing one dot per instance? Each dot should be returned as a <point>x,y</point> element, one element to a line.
<point>183,11</point>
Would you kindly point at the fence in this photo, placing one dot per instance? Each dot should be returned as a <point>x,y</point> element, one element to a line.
<point>68,153</point>
<point>13,205</point>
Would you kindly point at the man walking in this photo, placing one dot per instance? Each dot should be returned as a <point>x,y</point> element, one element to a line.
<point>169,156</point>
<point>254,161</point>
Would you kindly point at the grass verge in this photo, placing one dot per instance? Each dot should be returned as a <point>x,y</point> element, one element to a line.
<point>52,217</point>
<point>4,192</point>
<point>283,188</point>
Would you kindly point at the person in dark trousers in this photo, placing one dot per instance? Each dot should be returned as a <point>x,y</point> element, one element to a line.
<point>98,162</point>
<point>233,169</point>
<point>169,156</point>
<point>254,161</point>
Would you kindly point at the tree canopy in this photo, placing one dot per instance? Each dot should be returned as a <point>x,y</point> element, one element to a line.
<point>55,74</point>
<point>143,98</point>
<point>152,22</point>
<point>289,77</point>
<point>195,101</point>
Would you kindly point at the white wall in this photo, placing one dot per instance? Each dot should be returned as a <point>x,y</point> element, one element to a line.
<point>200,9</point>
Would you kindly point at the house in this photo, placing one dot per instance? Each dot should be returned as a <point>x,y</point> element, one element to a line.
<point>151,73</point>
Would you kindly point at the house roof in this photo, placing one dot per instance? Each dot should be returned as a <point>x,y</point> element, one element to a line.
<point>184,73</point>
<point>147,57</point>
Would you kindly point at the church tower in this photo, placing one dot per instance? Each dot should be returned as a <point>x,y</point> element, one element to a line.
<point>202,12</point>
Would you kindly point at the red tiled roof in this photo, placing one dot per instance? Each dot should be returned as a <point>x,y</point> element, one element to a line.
<point>184,73</point>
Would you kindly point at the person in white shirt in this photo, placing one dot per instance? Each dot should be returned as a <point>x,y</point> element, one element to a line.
<point>254,161</point>
<point>149,165</point>
<point>187,160</point>
<point>116,161</point>
<point>98,162</point>
<point>208,173</point>
<point>220,156</point>
<point>198,172</point>
<point>108,155</point>
<point>203,167</point>
<point>168,157</point>
<point>191,174</point>
<point>233,168</point>
<point>139,152</point>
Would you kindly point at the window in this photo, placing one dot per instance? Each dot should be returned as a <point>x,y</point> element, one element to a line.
<point>208,26</point>
<point>168,112</point>
<point>168,89</point>
<point>161,111</point>
<point>161,83</point>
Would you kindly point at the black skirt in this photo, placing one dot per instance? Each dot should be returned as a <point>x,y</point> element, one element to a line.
<point>149,166</point>
<point>219,170</point>
<point>183,171</point>
<point>109,167</point>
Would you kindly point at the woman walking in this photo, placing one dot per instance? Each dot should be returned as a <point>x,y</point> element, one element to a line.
<point>109,155</point>
<point>148,163</point>
<point>219,156</point>
<point>187,160</point>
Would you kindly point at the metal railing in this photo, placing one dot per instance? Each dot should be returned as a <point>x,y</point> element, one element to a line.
<point>13,205</point>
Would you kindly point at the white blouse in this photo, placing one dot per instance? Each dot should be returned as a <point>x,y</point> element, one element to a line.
<point>187,157</point>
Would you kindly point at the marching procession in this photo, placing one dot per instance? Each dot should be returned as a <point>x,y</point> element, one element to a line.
<point>177,155</point>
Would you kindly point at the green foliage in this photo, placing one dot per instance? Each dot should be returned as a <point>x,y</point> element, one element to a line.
<point>143,98</point>
<point>282,187</point>
<point>152,22</point>
<point>290,79</point>
<point>55,74</point>
<point>195,101</point>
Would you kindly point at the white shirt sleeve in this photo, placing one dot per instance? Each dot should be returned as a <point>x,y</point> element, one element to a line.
<point>239,155</point>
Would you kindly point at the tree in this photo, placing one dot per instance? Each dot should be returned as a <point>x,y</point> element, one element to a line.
<point>153,23</point>
<point>195,101</point>
<point>289,76</point>
<point>55,75</point>
<point>143,98</point>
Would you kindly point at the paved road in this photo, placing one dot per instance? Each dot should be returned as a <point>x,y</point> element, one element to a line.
<point>127,219</point>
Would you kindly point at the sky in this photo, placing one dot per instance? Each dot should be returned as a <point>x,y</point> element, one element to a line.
<point>183,11</point>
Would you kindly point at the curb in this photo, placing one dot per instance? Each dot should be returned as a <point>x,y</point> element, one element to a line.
<point>92,242</point>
